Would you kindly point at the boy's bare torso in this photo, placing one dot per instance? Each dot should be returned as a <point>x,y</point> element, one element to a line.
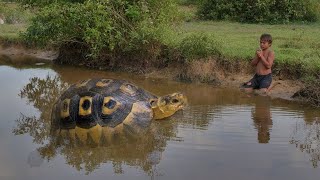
<point>261,69</point>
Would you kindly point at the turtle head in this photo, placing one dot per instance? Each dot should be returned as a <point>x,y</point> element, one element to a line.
<point>166,106</point>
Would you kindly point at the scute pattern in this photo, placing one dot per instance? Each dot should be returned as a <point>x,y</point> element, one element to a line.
<point>102,102</point>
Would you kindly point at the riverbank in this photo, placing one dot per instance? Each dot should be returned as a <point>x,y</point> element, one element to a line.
<point>17,52</point>
<point>282,88</point>
<point>196,72</point>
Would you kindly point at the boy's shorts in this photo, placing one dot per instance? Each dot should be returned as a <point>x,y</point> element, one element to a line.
<point>259,81</point>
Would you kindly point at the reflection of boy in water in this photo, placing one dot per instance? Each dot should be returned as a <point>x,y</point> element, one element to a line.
<point>261,117</point>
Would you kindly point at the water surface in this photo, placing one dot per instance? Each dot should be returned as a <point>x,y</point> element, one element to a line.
<point>222,134</point>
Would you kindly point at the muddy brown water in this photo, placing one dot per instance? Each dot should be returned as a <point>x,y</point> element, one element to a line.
<point>222,134</point>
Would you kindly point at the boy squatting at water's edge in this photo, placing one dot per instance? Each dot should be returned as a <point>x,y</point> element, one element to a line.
<point>263,62</point>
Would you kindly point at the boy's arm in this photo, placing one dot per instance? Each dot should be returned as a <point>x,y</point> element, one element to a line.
<point>267,62</point>
<point>255,60</point>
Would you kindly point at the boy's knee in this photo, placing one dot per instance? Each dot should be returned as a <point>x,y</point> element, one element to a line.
<point>247,85</point>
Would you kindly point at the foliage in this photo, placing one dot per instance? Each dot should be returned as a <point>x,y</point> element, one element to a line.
<point>268,11</point>
<point>42,3</point>
<point>112,26</point>
<point>188,2</point>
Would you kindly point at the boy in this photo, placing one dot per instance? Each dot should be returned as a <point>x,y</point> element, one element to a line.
<point>263,62</point>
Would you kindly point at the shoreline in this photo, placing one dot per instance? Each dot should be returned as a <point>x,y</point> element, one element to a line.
<point>20,52</point>
<point>284,89</point>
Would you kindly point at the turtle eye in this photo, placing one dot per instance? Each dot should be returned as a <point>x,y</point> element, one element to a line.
<point>163,102</point>
<point>174,101</point>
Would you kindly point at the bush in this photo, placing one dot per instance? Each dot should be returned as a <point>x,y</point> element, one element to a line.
<point>268,11</point>
<point>103,26</point>
<point>42,3</point>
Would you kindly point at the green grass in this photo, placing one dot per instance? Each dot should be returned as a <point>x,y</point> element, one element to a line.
<point>292,43</point>
<point>16,19</point>
<point>11,31</point>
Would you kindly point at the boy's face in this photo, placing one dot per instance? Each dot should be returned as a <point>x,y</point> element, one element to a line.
<point>264,44</point>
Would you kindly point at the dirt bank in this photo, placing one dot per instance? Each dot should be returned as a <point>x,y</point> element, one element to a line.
<point>197,72</point>
<point>18,52</point>
<point>283,89</point>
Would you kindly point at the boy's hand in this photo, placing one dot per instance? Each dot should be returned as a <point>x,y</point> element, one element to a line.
<point>259,53</point>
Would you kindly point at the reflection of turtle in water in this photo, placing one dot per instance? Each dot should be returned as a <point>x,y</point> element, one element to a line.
<point>99,108</point>
<point>116,149</point>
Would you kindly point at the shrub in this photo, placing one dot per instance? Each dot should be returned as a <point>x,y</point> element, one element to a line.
<point>110,26</point>
<point>43,3</point>
<point>268,11</point>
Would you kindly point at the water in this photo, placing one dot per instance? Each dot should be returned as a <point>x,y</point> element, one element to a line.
<point>222,134</point>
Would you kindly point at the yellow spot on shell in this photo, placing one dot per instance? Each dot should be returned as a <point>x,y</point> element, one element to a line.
<point>129,89</point>
<point>82,83</point>
<point>82,111</point>
<point>103,82</point>
<point>109,110</point>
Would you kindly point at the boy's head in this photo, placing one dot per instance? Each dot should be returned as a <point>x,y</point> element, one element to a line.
<point>265,41</point>
<point>266,38</point>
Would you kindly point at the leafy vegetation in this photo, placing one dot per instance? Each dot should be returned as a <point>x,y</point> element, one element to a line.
<point>43,3</point>
<point>268,11</point>
<point>188,2</point>
<point>114,26</point>
<point>109,31</point>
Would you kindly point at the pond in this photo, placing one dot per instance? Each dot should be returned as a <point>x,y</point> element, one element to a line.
<point>221,134</point>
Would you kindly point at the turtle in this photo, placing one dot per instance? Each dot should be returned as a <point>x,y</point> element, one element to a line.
<point>95,108</point>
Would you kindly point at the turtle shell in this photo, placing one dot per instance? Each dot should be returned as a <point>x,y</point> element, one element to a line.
<point>107,103</point>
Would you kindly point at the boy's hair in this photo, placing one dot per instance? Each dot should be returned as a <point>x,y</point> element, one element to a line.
<point>266,37</point>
